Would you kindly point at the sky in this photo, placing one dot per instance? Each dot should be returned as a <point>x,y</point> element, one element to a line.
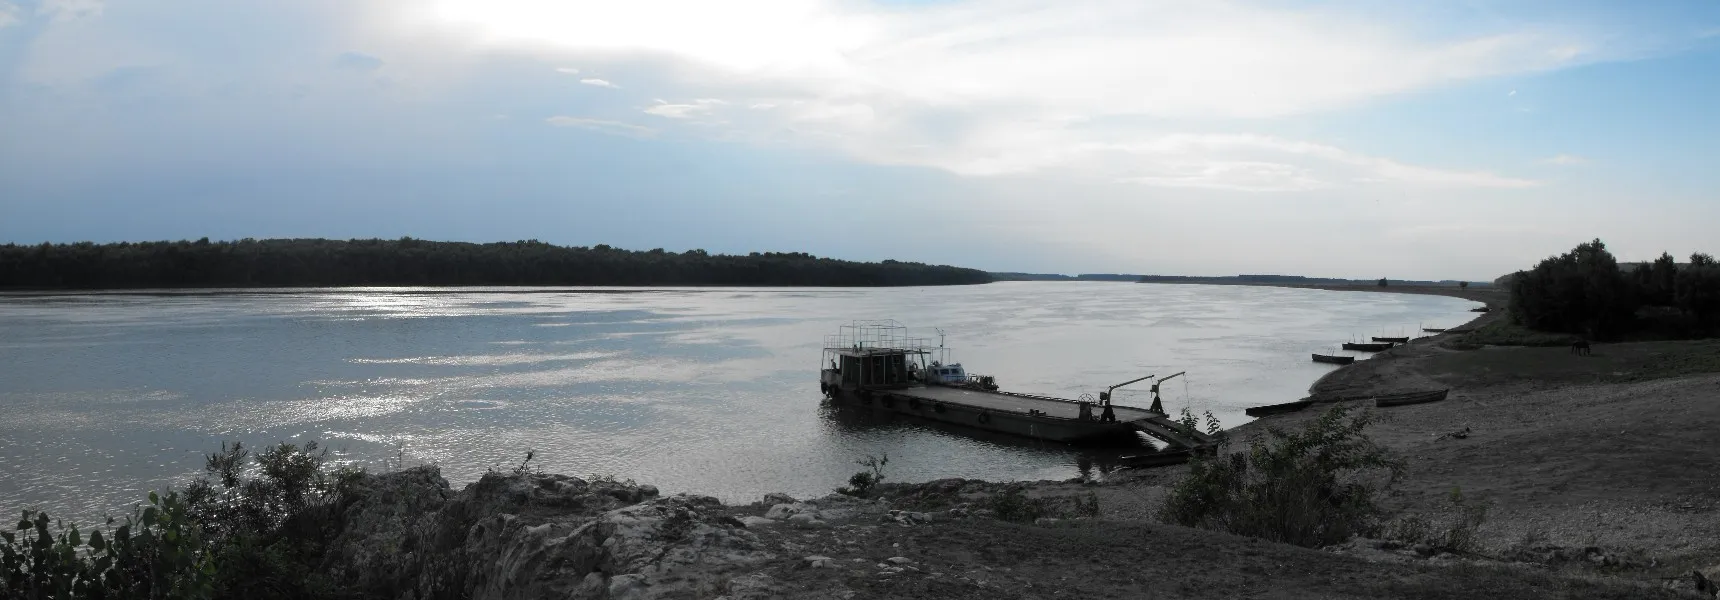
<point>1420,140</point>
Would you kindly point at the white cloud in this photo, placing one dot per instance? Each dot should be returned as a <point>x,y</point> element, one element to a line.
<point>567,70</point>
<point>10,14</point>
<point>599,83</point>
<point>1565,160</point>
<point>601,125</point>
<point>68,10</point>
<point>1016,86</point>
<point>1511,93</point>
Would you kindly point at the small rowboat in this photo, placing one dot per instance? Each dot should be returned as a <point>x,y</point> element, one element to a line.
<point>1394,340</point>
<point>1410,398</point>
<point>1336,360</point>
<point>1432,330</point>
<point>1366,347</point>
<point>1278,409</point>
<point>1156,459</point>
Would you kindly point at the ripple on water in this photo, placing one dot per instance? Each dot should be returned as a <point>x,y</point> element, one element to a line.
<point>104,398</point>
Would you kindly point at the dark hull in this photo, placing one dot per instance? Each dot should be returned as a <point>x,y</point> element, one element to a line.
<point>1158,459</point>
<point>1068,431</point>
<point>1432,330</point>
<point>1336,360</point>
<point>1278,409</point>
<point>1394,340</point>
<point>1366,347</point>
<point>1410,398</point>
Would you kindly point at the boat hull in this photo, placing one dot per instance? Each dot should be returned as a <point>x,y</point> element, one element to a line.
<point>1278,409</point>
<point>1410,398</point>
<point>1336,360</point>
<point>1394,340</point>
<point>1367,347</point>
<point>1068,431</point>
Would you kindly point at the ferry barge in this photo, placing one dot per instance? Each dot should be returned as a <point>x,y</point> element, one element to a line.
<point>876,364</point>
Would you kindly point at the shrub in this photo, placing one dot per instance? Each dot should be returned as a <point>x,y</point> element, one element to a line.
<point>862,482</point>
<point>1014,505</point>
<point>158,553</point>
<point>1311,488</point>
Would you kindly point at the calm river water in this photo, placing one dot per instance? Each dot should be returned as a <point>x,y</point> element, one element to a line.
<point>105,396</point>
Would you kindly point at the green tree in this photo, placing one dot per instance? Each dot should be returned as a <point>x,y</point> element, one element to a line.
<point>1697,291</point>
<point>1582,291</point>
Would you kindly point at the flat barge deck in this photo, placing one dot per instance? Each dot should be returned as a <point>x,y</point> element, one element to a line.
<point>874,369</point>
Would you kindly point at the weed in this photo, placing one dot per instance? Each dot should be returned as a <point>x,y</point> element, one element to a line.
<point>862,482</point>
<point>1311,488</point>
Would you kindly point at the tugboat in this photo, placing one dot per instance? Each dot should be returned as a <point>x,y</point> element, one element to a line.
<point>876,364</point>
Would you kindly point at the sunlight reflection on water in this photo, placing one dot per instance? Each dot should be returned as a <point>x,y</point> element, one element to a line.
<point>705,390</point>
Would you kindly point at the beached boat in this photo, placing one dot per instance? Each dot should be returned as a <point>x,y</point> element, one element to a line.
<point>1367,347</point>
<point>1336,360</point>
<point>1278,409</point>
<point>875,364</point>
<point>1157,459</point>
<point>1408,398</point>
<point>1394,340</point>
<point>1433,330</point>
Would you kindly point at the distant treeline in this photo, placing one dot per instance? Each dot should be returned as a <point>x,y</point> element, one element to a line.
<point>1286,280</point>
<point>406,261</point>
<point>1058,277</point>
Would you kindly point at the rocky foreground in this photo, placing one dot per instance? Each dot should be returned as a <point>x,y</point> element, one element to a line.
<point>409,535</point>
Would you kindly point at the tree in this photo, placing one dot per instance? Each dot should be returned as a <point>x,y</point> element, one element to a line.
<point>1697,290</point>
<point>1582,291</point>
<point>1656,281</point>
<point>1463,285</point>
<point>1382,282</point>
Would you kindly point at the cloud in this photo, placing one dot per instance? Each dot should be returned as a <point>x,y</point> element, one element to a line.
<point>70,10</point>
<point>358,61</point>
<point>600,125</point>
<point>1511,93</point>
<point>599,83</point>
<point>1565,160</point>
<point>699,107</point>
<point>567,70</point>
<point>1016,86</point>
<point>10,14</point>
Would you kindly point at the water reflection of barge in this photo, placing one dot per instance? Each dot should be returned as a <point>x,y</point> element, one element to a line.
<point>876,364</point>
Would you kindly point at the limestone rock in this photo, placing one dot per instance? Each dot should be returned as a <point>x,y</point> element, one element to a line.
<point>533,536</point>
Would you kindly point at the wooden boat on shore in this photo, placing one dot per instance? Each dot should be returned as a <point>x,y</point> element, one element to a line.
<point>1409,398</point>
<point>1367,347</point>
<point>1394,340</point>
<point>875,365</point>
<point>1433,330</point>
<point>1278,409</point>
<point>1336,360</point>
<point>1157,459</point>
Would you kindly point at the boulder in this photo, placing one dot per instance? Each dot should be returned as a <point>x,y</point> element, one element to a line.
<point>406,535</point>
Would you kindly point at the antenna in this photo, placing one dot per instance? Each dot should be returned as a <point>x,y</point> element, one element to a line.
<point>940,331</point>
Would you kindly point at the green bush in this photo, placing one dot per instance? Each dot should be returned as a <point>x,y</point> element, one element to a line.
<point>1313,488</point>
<point>859,484</point>
<point>158,553</point>
<point>238,532</point>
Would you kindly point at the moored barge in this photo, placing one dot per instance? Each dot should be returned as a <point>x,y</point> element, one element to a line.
<point>876,364</point>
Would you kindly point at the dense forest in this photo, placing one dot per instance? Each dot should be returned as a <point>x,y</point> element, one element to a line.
<point>1586,292</point>
<point>319,262</point>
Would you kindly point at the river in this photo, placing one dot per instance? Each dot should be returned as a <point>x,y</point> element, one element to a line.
<point>708,390</point>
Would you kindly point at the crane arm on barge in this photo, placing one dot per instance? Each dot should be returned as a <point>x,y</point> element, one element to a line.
<point>1158,405</point>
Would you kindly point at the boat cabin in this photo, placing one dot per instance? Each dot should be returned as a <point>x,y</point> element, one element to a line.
<point>941,373</point>
<point>873,367</point>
